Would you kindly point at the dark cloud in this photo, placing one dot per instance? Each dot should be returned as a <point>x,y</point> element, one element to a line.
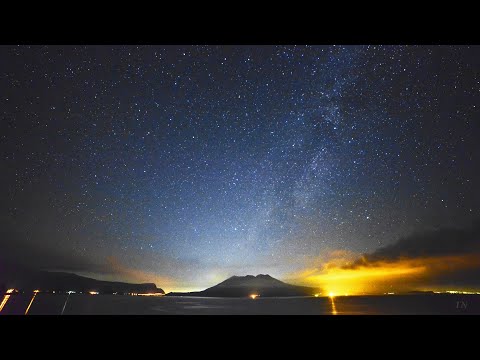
<point>451,256</point>
<point>433,243</point>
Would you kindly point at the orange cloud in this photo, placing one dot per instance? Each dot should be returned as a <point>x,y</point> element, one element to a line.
<point>342,275</point>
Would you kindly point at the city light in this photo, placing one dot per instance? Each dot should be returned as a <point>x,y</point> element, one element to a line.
<point>334,308</point>
<point>35,292</point>
<point>5,298</point>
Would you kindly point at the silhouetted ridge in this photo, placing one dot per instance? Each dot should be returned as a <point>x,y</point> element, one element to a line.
<point>244,286</point>
<point>22,278</point>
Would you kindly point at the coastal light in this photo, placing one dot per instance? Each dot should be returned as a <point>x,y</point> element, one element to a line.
<point>254,296</point>
<point>35,292</point>
<point>5,299</point>
<point>334,308</point>
<point>93,292</point>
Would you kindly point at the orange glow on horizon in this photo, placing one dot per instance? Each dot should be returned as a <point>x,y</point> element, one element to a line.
<point>362,279</point>
<point>254,296</point>
<point>382,276</point>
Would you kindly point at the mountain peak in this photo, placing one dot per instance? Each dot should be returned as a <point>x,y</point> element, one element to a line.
<point>261,284</point>
<point>264,276</point>
<point>251,277</point>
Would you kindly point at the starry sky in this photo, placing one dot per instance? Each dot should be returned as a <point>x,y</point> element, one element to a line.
<point>183,165</point>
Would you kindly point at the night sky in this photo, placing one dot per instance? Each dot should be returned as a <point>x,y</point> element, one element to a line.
<point>184,165</point>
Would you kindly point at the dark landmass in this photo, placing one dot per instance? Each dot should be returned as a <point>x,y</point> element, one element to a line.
<point>24,279</point>
<point>244,286</point>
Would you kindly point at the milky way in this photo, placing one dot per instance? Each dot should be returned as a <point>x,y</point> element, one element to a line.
<point>193,163</point>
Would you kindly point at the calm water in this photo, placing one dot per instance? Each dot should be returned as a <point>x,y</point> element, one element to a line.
<point>79,304</point>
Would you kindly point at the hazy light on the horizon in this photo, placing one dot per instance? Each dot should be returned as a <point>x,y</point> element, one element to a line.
<point>384,276</point>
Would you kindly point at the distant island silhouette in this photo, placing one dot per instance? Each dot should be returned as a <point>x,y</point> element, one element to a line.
<point>249,285</point>
<point>22,278</point>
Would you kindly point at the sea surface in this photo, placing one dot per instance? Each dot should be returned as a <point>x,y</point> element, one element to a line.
<point>82,304</point>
